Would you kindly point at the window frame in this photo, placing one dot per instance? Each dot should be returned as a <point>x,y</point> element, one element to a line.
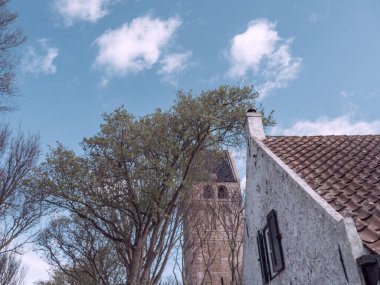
<point>222,192</point>
<point>271,256</point>
<point>277,256</point>
<point>208,192</point>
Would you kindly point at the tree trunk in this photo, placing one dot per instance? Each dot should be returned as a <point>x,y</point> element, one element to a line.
<point>134,267</point>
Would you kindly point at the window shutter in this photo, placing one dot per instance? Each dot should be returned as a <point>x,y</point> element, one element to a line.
<point>262,260</point>
<point>275,242</point>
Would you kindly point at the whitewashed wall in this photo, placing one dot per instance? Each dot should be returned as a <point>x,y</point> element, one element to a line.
<point>311,229</point>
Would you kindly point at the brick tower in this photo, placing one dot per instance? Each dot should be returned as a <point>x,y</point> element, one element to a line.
<point>213,227</point>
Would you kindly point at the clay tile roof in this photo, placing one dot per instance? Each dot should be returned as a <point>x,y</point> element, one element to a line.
<point>343,170</point>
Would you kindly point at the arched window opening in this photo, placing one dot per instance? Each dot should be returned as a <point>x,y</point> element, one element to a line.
<point>207,192</point>
<point>222,192</point>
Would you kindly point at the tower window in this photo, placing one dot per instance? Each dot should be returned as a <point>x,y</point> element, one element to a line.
<point>222,192</point>
<point>207,192</point>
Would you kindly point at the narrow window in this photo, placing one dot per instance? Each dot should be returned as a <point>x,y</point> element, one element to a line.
<point>207,192</point>
<point>262,258</point>
<point>222,192</point>
<point>275,242</point>
<point>270,250</point>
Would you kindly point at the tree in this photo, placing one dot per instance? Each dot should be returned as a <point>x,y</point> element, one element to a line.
<point>19,210</point>
<point>10,38</point>
<point>12,272</point>
<point>230,219</point>
<point>132,183</point>
<point>83,256</point>
<point>59,277</point>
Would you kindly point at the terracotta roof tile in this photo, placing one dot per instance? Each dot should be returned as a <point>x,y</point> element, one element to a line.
<point>374,223</point>
<point>374,246</point>
<point>357,198</point>
<point>337,205</point>
<point>363,214</point>
<point>352,206</point>
<point>343,170</point>
<point>359,225</point>
<point>342,198</point>
<point>369,206</point>
<point>368,235</point>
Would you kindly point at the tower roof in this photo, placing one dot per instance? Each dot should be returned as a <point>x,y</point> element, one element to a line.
<point>221,166</point>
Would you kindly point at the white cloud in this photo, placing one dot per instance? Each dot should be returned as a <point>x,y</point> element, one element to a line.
<point>175,62</point>
<point>40,58</point>
<point>136,46</point>
<point>249,48</point>
<point>343,125</point>
<point>345,94</point>
<point>37,268</point>
<point>261,51</point>
<point>81,10</point>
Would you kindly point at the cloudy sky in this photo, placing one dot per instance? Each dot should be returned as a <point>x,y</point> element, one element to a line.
<point>316,63</point>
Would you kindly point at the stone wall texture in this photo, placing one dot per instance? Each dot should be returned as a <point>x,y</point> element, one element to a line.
<point>207,256</point>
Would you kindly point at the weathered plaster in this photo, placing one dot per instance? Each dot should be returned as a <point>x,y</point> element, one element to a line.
<point>255,126</point>
<point>312,231</point>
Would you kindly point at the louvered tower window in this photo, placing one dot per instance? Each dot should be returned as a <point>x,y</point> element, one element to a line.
<point>222,192</point>
<point>208,192</point>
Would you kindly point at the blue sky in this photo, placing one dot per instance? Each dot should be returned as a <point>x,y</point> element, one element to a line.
<point>316,63</point>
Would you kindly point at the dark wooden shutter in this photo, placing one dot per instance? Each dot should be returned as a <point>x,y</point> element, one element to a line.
<point>275,242</point>
<point>262,259</point>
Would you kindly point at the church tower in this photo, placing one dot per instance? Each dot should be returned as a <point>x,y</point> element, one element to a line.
<point>213,237</point>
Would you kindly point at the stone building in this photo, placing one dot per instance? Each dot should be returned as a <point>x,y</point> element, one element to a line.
<point>213,226</point>
<point>312,209</point>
